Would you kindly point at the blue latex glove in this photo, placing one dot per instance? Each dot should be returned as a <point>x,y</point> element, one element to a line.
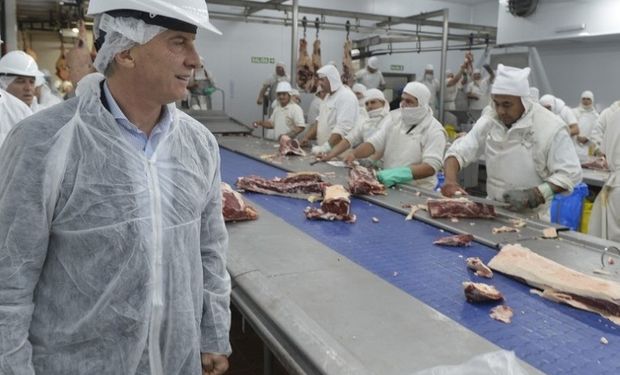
<point>393,176</point>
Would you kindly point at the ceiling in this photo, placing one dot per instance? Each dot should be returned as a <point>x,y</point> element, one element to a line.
<point>47,10</point>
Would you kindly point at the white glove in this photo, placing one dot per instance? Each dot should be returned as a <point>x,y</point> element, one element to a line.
<point>322,149</point>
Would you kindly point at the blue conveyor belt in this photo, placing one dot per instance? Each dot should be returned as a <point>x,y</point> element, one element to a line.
<point>555,338</point>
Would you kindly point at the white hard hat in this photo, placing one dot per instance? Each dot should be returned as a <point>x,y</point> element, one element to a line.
<point>193,12</point>
<point>19,63</point>
<point>284,86</point>
<point>373,62</point>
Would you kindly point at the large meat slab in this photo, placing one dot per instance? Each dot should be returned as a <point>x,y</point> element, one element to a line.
<point>459,208</point>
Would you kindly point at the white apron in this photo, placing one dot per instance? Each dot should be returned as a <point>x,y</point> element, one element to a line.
<point>510,166</point>
<point>324,128</point>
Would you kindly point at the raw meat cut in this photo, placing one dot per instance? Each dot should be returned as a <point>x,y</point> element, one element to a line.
<point>459,208</point>
<point>458,240</point>
<point>348,78</point>
<point>363,181</point>
<point>234,207</point>
<point>502,313</point>
<point>336,205</point>
<point>316,56</point>
<point>305,73</point>
<point>478,265</point>
<point>518,223</point>
<point>550,232</point>
<point>481,292</point>
<point>293,183</point>
<point>597,164</point>
<point>289,146</point>
<point>505,229</point>
<point>560,283</point>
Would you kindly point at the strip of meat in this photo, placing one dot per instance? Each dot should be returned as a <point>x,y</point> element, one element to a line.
<point>502,313</point>
<point>336,205</point>
<point>457,240</point>
<point>302,182</point>
<point>481,292</point>
<point>459,208</point>
<point>234,207</point>
<point>474,263</point>
<point>289,146</point>
<point>505,229</point>
<point>560,283</point>
<point>363,181</point>
<point>597,164</point>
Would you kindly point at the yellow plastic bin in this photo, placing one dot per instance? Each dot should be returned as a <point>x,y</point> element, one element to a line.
<point>585,216</point>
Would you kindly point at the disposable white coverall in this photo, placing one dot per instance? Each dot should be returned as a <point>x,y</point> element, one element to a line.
<point>604,221</point>
<point>110,263</point>
<point>12,111</point>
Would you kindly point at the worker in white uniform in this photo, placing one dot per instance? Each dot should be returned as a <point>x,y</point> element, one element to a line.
<point>113,245</point>
<point>338,113</point>
<point>453,85</point>
<point>411,141</point>
<point>604,220</point>
<point>18,72</point>
<point>45,96</point>
<point>559,108</point>
<point>478,91</point>
<point>603,122</point>
<point>271,84</point>
<point>432,84</point>
<point>586,115</point>
<point>377,108</point>
<point>360,93</point>
<point>12,111</point>
<point>529,155</point>
<point>287,117</point>
<point>371,76</point>
<point>315,106</point>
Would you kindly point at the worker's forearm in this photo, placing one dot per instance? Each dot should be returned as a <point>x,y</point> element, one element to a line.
<point>341,147</point>
<point>295,132</point>
<point>574,129</point>
<point>421,170</point>
<point>311,133</point>
<point>451,170</point>
<point>267,124</point>
<point>334,139</point>
<point>363,151</point>
<point>556,189</point>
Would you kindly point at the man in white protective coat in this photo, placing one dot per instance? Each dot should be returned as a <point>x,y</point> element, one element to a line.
<point>112,240</point>
<point>586,115</point>
<point>529,154</point>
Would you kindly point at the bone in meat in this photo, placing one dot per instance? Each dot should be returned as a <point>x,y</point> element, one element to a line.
<point>458,240</point>
<point>363,181</point>
<point>302,182</point>
<point>505,229</point>
<point>481,292</point>
<point>459,208</point>
<point>234,207</point>
<point>502,313</point>
<point>474,263</point>
<point>560,283</point>
<point>336,205</point>
<point>289,146</point>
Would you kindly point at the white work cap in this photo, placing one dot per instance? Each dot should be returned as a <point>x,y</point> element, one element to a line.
<point>332,75</point>
<point>511,81</point>
<point>548,101</point>
<point>373,62</point>
<point>587,95</point>
<point>284,86</point>
<point>19,63</point>
<point>191,12</point>
<point>359,88</point>
<point>374,94</point>
<point>430,67</point>
<point>534,94</point>
<point>281,64</point>
<point>477,71</point>
<point>420,91</point>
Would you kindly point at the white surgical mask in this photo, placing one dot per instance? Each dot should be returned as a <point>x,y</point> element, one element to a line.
<point>361,102</point>
<point>375,113</point>
<point>413,115</point>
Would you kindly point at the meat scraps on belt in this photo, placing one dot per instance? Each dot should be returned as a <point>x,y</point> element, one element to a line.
<point>459,208</point>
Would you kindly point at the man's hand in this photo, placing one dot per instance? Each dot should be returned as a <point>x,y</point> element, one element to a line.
<point>582,140</point>
<point>349,159</point>
<point>451,190</point>
<point>214,364</point>
<point>520,200</point>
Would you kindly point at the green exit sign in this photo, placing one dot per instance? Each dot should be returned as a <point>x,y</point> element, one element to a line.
<point>263,60</point>
<point>397,68</point>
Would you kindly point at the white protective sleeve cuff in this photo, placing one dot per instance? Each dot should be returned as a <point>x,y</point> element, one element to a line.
<point>546,191</point>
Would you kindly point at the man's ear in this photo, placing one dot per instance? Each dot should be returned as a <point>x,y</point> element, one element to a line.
<point>125,60</point>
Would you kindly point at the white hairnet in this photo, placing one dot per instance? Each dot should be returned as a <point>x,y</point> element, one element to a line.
<point>420,91</point>
<point>281,64</point>
<point>284,86</point>
<point>122,34</point>
<point>358,87</point>
<point>548,101</point>
<point>430,67</point>
<point>376,94</point>
<point>5,81</point>
<point>588,95</point>
<point>333,76</point>
<point>477,71</point>
<point>373,62</point>
<point>511,81</point>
